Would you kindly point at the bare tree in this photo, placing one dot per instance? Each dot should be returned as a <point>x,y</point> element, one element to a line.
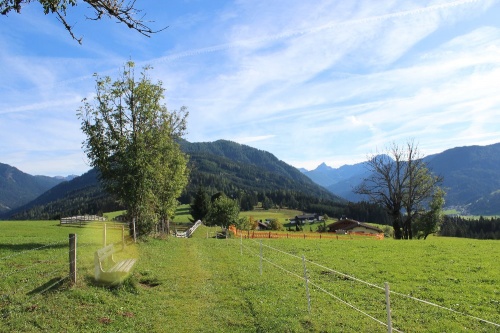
<point>401,182</point>
<point>420,187</point>
<point>123,11</point>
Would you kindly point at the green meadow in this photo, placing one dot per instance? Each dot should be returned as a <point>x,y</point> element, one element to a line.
<point>215,285</point>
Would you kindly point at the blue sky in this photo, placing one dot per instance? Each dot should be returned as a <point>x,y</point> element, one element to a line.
<point>309,81</point>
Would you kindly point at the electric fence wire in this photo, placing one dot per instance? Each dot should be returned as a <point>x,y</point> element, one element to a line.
<point>35,249</point>
<point>382,288</point>
<point>46,260</point>
<point>43,275</point>
<point>320,288</point>
<point>41,262</point>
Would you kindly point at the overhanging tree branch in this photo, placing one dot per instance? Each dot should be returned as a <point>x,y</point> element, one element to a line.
<point>124,12</point>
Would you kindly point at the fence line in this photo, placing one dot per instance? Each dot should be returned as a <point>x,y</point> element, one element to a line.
<point>319,288</point>
<point>313,235</point>
<point>382,288</point>
<point>190,231</point>
<point>327,268</point>
<point>445,308</point>
<point>35,249</point>
<point>61,261</point>
<point>82,218</point>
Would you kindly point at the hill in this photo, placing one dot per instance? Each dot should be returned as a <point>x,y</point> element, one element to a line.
<point>237,170</point>
<point>18,188</point>
<point>80,195</point>
<point>233,167</point>
<point>471,178</point>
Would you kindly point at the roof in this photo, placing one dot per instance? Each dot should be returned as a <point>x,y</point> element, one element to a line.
<point>348,224</point>
<point>306,216</point>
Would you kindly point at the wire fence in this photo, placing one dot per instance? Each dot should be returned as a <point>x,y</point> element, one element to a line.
<point>37,268</point>
<point>34,269</point>
<point>320,281</point>
<point>253,234</point>
<point>29,273</point>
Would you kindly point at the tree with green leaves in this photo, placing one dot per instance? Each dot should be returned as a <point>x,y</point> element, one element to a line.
<point>400,182</point>
<point>428,222</point>
<point>275,224</point>
<point>123,12</point>
<point>224,211</point>
<point>200,205</point>
<point>131,139</point>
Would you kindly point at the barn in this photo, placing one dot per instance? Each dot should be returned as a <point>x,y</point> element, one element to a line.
<point>348,225</point>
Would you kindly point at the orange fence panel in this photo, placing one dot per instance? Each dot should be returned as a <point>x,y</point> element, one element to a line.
<point>278,235</point>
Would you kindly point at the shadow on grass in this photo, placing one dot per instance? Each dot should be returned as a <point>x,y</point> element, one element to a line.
<point>129,285</point>
<point>32,246</point>
<point>51,285</point>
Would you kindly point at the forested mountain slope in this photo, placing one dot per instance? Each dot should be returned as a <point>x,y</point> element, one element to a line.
<point>230,167</point>
<point>471,178</point>
<point>18,188</point>
<point>79,196</point>
<point>237,170</point>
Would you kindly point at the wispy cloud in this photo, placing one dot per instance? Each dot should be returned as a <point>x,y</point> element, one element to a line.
<point>311,84</point>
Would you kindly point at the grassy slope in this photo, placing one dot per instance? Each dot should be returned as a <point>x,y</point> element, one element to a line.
<point>206,285</point>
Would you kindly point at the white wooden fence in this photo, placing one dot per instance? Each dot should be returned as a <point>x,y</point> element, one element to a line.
<point>190,231</point>
<point>82,219</point>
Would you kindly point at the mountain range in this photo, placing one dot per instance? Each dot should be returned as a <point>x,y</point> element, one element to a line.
<point>218,166</point>
<point>471,179</point>
<point>18,188</point>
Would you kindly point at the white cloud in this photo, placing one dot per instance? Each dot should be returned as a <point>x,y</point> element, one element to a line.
<point>331,80</point>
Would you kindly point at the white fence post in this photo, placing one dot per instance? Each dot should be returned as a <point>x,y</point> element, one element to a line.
<point>307,285</point>
<point>123,237</point>
<point>261,257</point>
<point>133,225</point>
<point>388,306</point>
<point>104,235</point>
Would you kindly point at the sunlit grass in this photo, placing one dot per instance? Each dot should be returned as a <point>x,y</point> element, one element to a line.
<point>214,285</point>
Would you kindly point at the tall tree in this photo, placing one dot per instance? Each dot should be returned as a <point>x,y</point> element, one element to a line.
<point>399,180</point>
<point>131,140</point>
<point>419,188</point>
<point>123,12</point>
<point>201,204</point>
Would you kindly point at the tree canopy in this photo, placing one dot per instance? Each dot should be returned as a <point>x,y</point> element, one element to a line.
<point>223,211</point>
<point>123,12</point>
<point>131,139</point>
<point>200,206</point>
<point>400,182</point>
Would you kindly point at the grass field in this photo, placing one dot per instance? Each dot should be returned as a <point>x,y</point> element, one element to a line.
<point>214,285</point>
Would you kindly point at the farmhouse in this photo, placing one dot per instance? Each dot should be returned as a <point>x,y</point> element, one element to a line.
<point>306,218</point>
<point>261,225</point>
<point>347,225</point>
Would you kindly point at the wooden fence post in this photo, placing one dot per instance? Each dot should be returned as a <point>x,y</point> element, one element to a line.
<point>72,258</point>
<point>388,306</point>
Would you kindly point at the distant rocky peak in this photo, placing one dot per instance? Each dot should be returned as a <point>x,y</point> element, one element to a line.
<point>323,167</point>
